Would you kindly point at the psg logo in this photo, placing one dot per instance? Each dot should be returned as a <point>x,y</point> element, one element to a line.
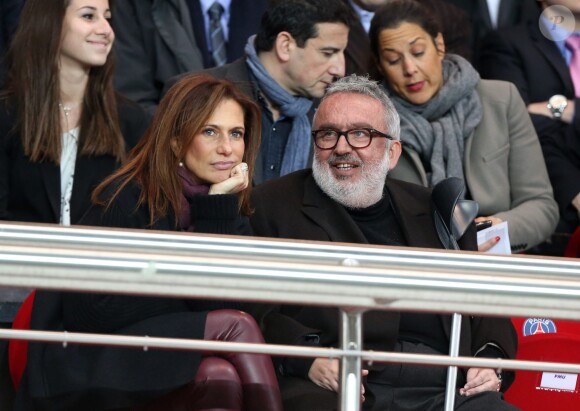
<point>534,326</point>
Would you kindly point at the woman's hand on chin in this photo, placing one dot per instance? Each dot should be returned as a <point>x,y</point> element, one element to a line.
<point>237,181</point>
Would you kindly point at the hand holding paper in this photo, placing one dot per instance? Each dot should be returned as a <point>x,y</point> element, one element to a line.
<point>498,230</point>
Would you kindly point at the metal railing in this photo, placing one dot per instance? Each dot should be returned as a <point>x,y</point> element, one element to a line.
<point>351,277</point>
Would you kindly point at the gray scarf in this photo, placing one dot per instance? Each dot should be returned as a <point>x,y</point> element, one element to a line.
<point>438,128</point>
<point>297,148</point>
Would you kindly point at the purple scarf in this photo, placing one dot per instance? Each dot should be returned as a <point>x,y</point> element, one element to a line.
<point>190,189</point>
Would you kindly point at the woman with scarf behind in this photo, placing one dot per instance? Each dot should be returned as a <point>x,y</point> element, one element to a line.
<point>190,172</point>
<point>453,124</point>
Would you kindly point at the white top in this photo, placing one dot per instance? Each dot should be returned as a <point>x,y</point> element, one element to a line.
<point>205,5</point>
<point>68,158</point>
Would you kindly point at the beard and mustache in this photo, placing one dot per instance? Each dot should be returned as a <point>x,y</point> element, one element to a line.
<point>361,193</point>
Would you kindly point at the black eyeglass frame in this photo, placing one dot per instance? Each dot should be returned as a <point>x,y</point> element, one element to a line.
<point>372,132</point>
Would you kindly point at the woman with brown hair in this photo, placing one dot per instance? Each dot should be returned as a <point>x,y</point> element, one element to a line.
<point>61,121</point>
<point>63,128</point>
<point>203,141</point>
<point>190,172</point>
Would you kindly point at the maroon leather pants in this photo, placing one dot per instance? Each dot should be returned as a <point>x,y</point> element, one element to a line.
<point>227,381</point>
<point>256,372</point>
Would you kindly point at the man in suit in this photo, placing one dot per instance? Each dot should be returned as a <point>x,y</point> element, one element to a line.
<point>297,53</point>
<point>347,197</point>
<point>540,67</point>
<point>159,39</point>
<point>488,15</point>
<point>358,56</point>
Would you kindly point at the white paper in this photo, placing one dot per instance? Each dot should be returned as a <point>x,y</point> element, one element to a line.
<point>499,230</point>
<point>559,381</point>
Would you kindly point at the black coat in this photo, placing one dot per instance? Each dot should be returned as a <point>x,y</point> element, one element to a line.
<point>561,149</point>
<point>296,198</point>
<point>30,191</point>
<point>103,377</point>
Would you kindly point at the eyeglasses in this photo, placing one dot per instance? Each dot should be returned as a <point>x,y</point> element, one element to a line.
<point>327,139</point>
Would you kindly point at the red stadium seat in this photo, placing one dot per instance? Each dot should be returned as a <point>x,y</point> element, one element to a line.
<point>18,349</point>
<point>573,247</point>
<point>546,340</point>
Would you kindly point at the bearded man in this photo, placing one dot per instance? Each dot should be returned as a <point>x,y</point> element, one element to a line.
<point>347,198</point>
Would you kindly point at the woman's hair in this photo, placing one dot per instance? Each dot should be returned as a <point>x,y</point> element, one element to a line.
<point>397,12</point>
<point>33,82</point>
<point>181,115</point>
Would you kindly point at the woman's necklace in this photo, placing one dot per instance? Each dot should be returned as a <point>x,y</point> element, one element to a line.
<point>66,109</point>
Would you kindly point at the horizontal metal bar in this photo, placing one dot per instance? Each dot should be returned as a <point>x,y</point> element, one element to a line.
<point>283,350</point>
<point>389,284</point>
<point>313,252</point>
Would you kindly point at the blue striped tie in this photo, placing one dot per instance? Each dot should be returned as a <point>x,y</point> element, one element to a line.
<point>218,42</point>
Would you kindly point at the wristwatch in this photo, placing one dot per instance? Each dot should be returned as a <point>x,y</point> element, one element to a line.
<point>557,104</point>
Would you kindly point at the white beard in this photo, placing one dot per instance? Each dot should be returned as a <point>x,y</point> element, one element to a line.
<point>365,192</point>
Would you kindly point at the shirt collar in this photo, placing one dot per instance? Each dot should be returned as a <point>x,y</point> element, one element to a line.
<point>364,15</point>
<point>206,4</point>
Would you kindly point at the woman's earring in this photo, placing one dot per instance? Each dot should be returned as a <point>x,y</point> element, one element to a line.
<point>180,164</point>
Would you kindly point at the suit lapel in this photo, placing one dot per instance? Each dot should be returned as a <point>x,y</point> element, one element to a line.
<point>359,52</point>
<point>329,215</point>
<point>414,216</point>
<point>178,37</point>
<point>51,177</point>
<point>82,187</point>
<point>507,15</point>
<point>483,12</point>
<point>552,54</point>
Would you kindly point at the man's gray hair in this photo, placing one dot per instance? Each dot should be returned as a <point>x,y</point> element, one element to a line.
<point>363,85</point>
